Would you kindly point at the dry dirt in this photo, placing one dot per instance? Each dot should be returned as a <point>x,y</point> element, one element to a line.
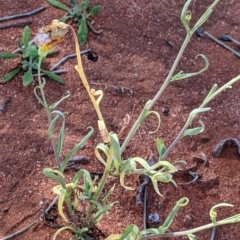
<point>133,53</point>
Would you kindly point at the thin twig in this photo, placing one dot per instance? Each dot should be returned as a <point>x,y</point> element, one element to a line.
<point>67,57</point>
<point>22,14</point>
<point>18,24</point>
<point>31,224</point>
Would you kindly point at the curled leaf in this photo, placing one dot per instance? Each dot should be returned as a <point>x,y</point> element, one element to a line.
<point>194,131</point>
<point>61,192</point>
<point>213,212</point>
<point>104,149</point>
<point>182,75</point>
<point>128,165</point>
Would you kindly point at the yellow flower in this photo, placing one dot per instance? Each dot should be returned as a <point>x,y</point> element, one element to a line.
<point>50,35</point>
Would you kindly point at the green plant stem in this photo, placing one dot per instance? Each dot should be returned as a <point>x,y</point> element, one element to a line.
<point>204,103</point>
<point>137,123</point>
<point>41,86</point>
<point>96,195</point>
<point>101,184</point>
<point>188,123</point>
<point>191,231</point>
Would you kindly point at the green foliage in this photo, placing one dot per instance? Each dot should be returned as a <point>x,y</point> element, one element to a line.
<point>79,13</point>
<point>92,193</point>
<point>28,61</point>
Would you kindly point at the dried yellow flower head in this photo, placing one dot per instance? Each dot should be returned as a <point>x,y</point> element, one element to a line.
<point>51,33</point>
<point>56,29</point>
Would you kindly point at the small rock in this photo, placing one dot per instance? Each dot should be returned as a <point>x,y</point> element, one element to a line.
<point>188,221</point>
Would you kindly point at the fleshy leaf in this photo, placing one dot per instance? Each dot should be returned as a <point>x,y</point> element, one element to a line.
<point>160,148</point>
<point>27,77</point>
<point>72,2</point>
<point>53,76</point>
<point>59,5</point>
<point>8,55</point>
<point>9,76</point>
<point>26,36</point>
<point>94,10</point>
<point>82,32</point>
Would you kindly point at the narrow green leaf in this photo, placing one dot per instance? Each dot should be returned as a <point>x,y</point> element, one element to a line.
<point>196,111</point>
<point>180,203</point>
<point>53,76</point>
<point>26,36</point>
<point>75,149</point>
<point>130,232</point>
<point>77,176</point>
<point>48,172</point>
<point>109,193</point>
<point>86,4</point>
<point>182,75</point>
<point>194,131</point>
<point>32,51</point>
<point>54,105</point>
<point>160,148</point>
<point>212,91</point>
<point>61,132</point>
<point>61,138</point>
<point>8,55</point>
<point>155,185</point>
<point>191,236</point>
<point>72,2</point>
<point>102,211</point>
<point>59,5</point>
<point>104,149</point>
<point>205,16</point>
<point>53,122</point>
<point>64,18</point>
<point>116,151</point>
<point>127,166</point>
<point>82,32</point>
<point>154,231</point>
<point>27,77</point>
<point>184,14</point>
<point>20,45</point>
<point>94,10</point>
<point>9,76</point>
<point>63,229</point>
<point>213,212</point>
<point>39,97</point>
<point>88,184</point>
